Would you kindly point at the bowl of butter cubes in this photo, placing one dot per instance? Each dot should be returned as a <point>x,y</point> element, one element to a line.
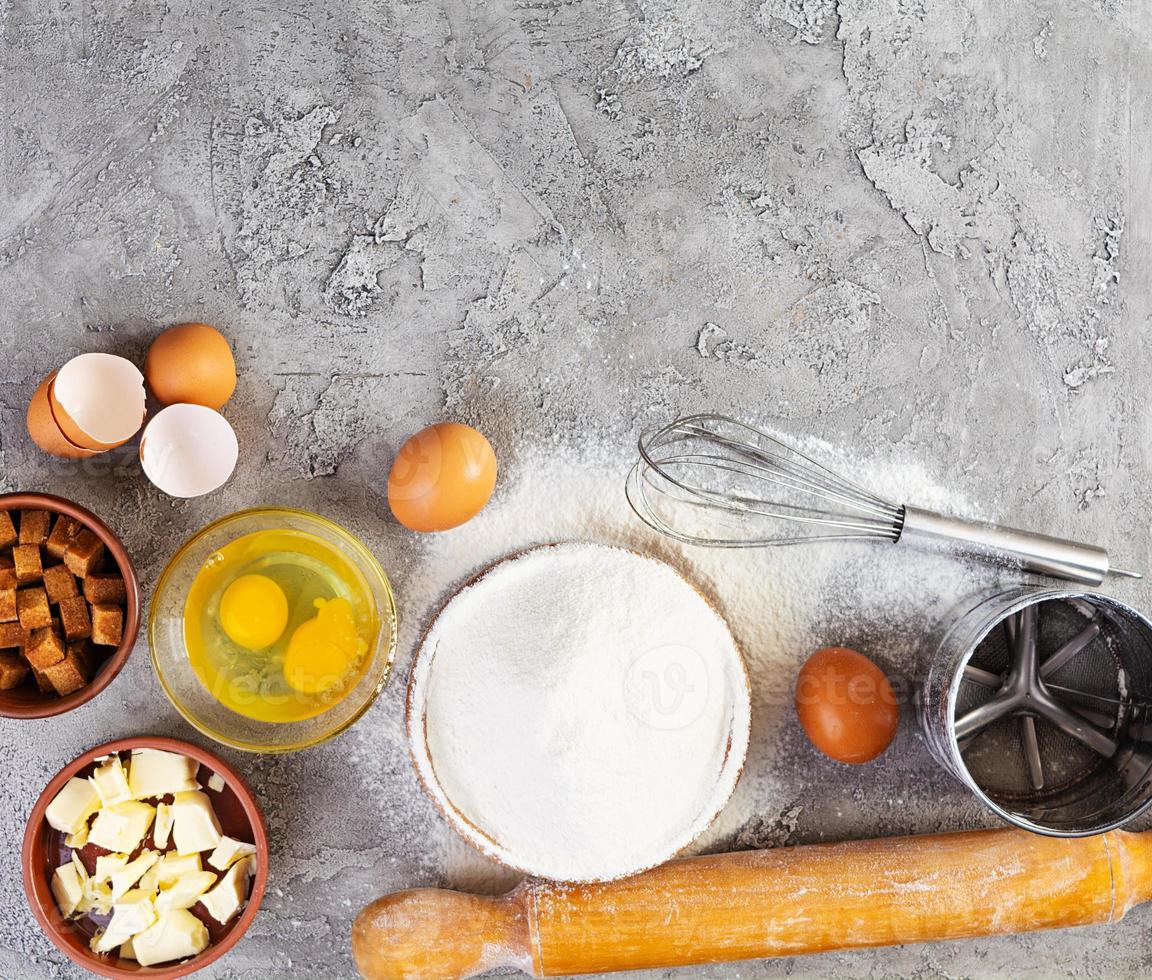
<point>145,857</point>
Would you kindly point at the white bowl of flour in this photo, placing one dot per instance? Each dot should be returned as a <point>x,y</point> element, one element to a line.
<point>579,712</point>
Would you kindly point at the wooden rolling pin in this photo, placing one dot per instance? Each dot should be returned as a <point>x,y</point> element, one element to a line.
<point>780,902</point>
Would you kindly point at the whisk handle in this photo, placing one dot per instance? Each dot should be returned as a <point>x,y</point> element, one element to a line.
<point>1032,552</point>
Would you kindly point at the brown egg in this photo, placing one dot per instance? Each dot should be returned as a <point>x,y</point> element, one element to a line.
<point>442,477</point>
<point>45,431</point>
<point>191,364</point>
<point>98,400</point>
<point>846,705</point>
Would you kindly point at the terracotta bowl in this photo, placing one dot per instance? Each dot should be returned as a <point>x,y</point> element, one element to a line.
<point>44,850</point>
<point>28,701</point>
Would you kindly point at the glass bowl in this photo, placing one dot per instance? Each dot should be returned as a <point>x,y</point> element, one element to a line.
<point>183,685</point>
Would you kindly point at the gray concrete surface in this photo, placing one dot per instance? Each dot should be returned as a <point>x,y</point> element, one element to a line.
<point>917,228</point>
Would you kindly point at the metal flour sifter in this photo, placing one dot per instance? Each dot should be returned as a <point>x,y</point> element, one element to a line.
<point>1040,701</point>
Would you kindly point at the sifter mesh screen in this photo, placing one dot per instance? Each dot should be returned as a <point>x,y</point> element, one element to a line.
<point>1092,683</point>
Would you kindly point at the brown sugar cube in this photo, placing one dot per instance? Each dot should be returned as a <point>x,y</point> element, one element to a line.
<point>42,682</point>
<point>105,587</point>
<point>84,553</point>
<point>8,535</point>
<point>34,526</point>
<point>26,559</point>
<point>7,571</point>
<point>8,612</point>
<point>32,608</point>
<point>63,531</point>
<point>60,583</point>
<point>67,675</point>
<point>107,624</point>
<point>11,636</point>
<point>44,648</point>
<point>84,652</point>
<point>74,618</point>
<point>13,671</point>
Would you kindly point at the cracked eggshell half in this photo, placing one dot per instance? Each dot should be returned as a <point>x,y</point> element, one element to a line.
<point>98,401</point>
<point>188,450</point>
<point>45,432</point>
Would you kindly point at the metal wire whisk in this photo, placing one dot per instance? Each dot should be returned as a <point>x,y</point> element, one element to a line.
<point>714,481</point>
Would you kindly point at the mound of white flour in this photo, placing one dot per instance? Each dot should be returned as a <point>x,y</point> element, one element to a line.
<point>585,711</point>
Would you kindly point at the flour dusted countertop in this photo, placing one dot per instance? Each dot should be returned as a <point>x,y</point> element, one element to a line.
<point>920,230</point>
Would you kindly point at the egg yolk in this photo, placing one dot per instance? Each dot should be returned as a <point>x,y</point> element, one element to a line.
<point>322,650</point>
<point>253,611</point>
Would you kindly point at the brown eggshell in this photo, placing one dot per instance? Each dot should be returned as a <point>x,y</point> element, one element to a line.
<point>72,431</point>
<point>191,364</point>
<point>45,431</point>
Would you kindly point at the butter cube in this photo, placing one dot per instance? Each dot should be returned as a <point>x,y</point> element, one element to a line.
<point>173,867</point>
<point>97,898</point>
<point>132,913</point>
<point>107,865</point>
<point>154,772</point>
<point>216,783</point>
<point>67,889</point>
<point>122,827</point>
<point>229,851</point>
<point>224,901</point>
<point>194,824</point>
<point>78,839</point>
<point>186,892</point>
<point>163,826</point>
<point>150,881</point>
<point>73,805</point>
<point>132,872</point>
<point>111,782</point>
<point>81,871</point>
<point>175,936</point>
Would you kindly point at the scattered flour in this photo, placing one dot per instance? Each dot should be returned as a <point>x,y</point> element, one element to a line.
<point>630,705</point>
<point>780,603</point>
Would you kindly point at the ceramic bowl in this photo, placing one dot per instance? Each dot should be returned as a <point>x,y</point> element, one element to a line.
<point>185,688</point>
<point>44,850</point>
<point>28,701</point>
<point>420,680</point>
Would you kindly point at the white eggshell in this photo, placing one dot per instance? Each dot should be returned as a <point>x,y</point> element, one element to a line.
<point>188,450</point>
<point>103,394</point>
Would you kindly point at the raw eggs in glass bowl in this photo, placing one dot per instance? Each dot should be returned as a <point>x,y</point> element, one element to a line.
<point>272,629</point>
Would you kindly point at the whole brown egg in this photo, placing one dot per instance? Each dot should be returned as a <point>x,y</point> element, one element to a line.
<point>191,364</point>
<point>846,705</point>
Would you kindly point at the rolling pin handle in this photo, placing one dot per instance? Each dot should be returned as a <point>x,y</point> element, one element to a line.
<point>433,934</point>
